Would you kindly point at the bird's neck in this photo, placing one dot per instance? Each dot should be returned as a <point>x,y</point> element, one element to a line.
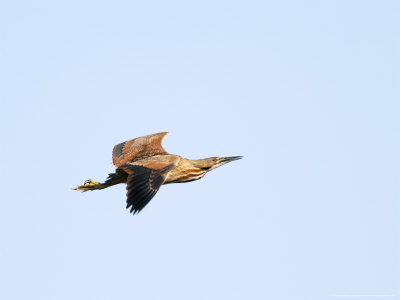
<point>187,170</point>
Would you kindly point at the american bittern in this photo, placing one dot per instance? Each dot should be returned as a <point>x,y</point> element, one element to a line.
<point>144,166</point>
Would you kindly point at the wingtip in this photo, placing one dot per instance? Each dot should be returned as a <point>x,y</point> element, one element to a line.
<point>164,133</point>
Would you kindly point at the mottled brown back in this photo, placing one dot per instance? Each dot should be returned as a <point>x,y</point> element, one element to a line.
<point>144,146</point>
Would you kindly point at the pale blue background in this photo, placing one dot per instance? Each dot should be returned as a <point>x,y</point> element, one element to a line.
<point>306,91</point>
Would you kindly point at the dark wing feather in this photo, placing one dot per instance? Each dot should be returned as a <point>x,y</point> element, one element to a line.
<point>140,147</point>
<point>145,178</point>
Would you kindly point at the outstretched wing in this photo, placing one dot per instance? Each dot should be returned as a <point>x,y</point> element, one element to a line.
<point>143,146</point>
<point>145,178</point>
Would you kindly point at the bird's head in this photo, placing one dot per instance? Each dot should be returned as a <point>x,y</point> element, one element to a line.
<point>212,163</point>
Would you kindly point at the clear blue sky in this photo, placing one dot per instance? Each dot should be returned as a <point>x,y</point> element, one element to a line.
<point>306,91</point>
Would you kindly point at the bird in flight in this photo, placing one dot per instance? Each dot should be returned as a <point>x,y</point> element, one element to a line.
<point>144,166</point>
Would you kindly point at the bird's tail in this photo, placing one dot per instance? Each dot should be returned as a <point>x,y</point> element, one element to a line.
<point>91,185</point>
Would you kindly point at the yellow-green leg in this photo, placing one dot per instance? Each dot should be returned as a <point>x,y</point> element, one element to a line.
<point>91,185</point>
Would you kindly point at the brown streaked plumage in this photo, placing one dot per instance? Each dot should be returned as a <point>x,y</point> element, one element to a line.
<point>144,166</point>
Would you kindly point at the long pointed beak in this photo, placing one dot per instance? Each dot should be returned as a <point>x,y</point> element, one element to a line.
<point>225,160</point>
